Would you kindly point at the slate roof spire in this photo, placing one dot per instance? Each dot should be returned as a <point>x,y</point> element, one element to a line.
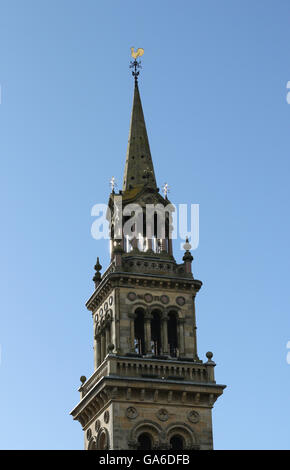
<point>139,170</point>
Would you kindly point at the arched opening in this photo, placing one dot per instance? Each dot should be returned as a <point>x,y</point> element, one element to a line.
<point>176,442</point>
<point>139,341</point>
<point>172,334</point>
<point>156,333</point>
<point>144,441</point>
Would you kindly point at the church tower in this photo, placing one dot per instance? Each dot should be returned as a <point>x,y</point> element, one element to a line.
<point>149,389</point>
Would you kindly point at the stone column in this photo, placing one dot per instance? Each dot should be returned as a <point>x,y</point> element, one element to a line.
<point>108,336</point>
<point>181,322</point>
<point>95,354</point>
<point>99,354</point>
<point>147,332</point>
<point>132,317</point>
<point>164,334</point>
<point>103,346</point>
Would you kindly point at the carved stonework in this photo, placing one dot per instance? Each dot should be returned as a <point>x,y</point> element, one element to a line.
<point>180,301</point>
<point>193,417</point>
<point>162,414</point>
<point>131,412</point>
<point>148,298</point>
<point>106,416</point>
<point>132,296</point>
<point>133,444</point>
<point>97,425</point>
<point>89,434</point>
<point>164,299</point>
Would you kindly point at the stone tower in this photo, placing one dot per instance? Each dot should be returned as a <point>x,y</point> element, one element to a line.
<point>149,389</point>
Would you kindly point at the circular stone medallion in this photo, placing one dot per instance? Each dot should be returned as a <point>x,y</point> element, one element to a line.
<point>180,301</point>
<point>164,299</point>
<point>106,306</point>
<point>193,416</point>
<point>148,298</point>
<point>131,412</point>
<point>111,300</point>
<point>162,414</point>
<point>132,296</point>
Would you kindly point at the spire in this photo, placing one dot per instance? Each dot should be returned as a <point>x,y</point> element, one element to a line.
<point>139,170</point>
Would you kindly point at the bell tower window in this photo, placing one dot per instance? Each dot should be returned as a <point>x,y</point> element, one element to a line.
<point>156,333</point>
<point>172,334</point>
<point>139,340</point>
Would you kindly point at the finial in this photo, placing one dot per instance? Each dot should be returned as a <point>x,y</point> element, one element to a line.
<point>97,276</point>
<point>187,255</point>
<point>165,190</point>
<point>135,64</point>
<point>113,184</point>
<point>187,245</point>
<point>209,356</point>
<point>83,379</point>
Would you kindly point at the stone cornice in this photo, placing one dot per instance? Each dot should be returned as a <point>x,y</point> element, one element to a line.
<point>116,388</point>
<point>125,279</point>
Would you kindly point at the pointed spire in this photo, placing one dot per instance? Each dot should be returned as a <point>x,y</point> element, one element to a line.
<point>139,170</point>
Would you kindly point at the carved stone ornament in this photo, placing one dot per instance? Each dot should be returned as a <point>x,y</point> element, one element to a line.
<point>193,417</point>
<point>180,301</point>
<point>106,306</point>
<point>97,425</point>
<point>89,434</point>
<point>131,412</point>
<point>106,416</point>
<point>148,298</point>
<point>162,414</point>
<point>164,299</point>
<point>132,296</point>
<point>111,300</point>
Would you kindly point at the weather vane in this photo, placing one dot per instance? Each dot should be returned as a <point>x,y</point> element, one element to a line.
<point>113,184</point>
<point>135,64</point>
<point>165,190</point>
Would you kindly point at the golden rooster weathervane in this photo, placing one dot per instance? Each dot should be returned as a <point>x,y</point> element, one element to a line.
<point>135,64</point>
<point>138,53</point>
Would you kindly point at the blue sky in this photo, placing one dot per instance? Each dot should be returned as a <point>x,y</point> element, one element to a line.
<point>213,87</point>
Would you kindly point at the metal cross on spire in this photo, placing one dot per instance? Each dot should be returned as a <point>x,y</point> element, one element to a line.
<point>135,64</point>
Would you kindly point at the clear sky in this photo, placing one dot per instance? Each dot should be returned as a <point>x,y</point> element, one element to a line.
<point>213,87</point>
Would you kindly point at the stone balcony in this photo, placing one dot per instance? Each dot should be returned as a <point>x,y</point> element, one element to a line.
<point>151,369</point>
